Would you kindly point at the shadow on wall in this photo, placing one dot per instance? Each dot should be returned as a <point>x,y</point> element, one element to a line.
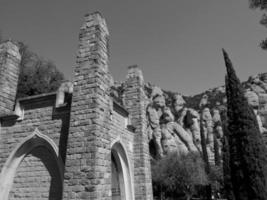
<point>64,115</point>
<point>33,168</point>
<point>44,179</point>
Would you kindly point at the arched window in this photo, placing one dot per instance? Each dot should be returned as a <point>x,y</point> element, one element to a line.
<point>122,187</point>
<point>41,148</point>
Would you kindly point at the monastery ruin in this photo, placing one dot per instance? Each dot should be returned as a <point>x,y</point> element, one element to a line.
<point>79,144</point>
<point>94,139</point>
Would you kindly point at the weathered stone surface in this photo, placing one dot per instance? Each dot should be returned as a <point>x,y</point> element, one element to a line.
<point>207,124</point>
<point>38,113</point>
<point>80,128</point>
<point>9,72</point>
<point>175,138</point>
<point>93,137</point>
<point>173,127</point>
<point>253,100</point>
<point>136,103</point>
<point>154,112</point>
<point>38,176</point>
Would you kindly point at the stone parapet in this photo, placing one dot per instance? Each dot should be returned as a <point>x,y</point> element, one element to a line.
<point>93,45</point>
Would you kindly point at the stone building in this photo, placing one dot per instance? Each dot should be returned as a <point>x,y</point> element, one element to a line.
<point>79,142</point>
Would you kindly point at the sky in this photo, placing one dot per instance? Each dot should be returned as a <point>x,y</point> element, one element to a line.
<point>176,43</point>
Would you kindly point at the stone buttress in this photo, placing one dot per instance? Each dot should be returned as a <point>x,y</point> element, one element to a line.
<point>9,73</point>
<point>88,170</point>
<point>135,102</point>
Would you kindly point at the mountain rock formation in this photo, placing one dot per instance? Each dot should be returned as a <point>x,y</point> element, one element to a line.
<point>174,120</point>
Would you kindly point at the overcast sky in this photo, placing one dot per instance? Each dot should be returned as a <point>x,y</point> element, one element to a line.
<point>176,43</point>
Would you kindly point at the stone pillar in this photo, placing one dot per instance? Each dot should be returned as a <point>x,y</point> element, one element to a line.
<point>9,74</point>
<point>135,102</point>
<point>88,162</point>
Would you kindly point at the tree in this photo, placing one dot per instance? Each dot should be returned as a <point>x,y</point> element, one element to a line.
<point>216,180</point>
<point>176,175</point>
<point>37,75</point>
<point>248,154</point>
<point>228,187</point>
<point>262,5</point>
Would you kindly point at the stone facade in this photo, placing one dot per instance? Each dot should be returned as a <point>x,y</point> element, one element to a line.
<point>9,62</point>
<point>75,145</point>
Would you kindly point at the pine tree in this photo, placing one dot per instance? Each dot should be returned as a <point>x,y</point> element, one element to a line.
<point>248,154</point>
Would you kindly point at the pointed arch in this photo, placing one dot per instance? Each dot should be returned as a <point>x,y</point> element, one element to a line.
<point>120,159</point>
<point>36,139</point>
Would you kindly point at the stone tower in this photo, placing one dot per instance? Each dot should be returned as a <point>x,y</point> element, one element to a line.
<point>9,72</point>
<point>88,154</point>
<point>80,142</point>
<point>135,102</point>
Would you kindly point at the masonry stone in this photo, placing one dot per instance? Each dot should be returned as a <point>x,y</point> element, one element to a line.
<point>136,102</point>
<point>84,141</point>
<point>9,72</point>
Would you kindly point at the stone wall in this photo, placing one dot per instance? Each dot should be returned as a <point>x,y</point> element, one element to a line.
<point>136,102</point>
<point>37,177</point>
<point>9,72</point>
<point>39,112</point>
<point>90,116</point>
<point>59,145</point>
<point>68,144</point>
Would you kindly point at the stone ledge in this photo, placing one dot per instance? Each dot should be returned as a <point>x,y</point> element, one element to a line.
<point>9,116</point>
<point>120,109</point>
<point>131,128</point>
<point>37,98</point>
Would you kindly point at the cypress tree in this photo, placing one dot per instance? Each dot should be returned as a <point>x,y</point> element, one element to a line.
<point>228,187</point>
<point>248,154</point>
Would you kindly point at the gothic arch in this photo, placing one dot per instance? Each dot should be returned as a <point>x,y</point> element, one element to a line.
<point>119,159</point>
<point>36,139</point>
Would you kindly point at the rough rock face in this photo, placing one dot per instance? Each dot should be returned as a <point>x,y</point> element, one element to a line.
<point>172,126</point>
<point>174,120</point>
<point>167,132</point>
<point>257,85</point>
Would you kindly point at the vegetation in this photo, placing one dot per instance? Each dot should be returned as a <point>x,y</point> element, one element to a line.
<point>180,177</point>
<point>37,75</point>
<point>247,152</point>
<point>228,187</point>
<point>216,180</point>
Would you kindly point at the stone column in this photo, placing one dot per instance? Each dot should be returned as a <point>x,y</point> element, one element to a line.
<point>88,162</point>
<point>136,102</point>
<point>9,74</point>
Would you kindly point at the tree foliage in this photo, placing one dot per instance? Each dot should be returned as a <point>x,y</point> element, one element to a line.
<point>248,154</point>
<point>175,175</point>
<point>262,5</point>
<point>227,185</point>
<point>37,75</point>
